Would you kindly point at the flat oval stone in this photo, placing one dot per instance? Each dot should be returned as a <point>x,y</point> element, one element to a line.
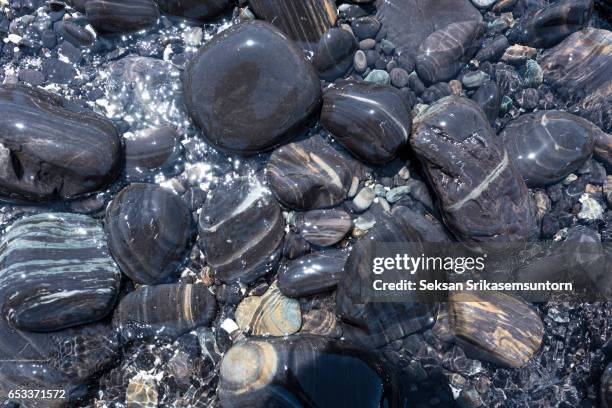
<point>261,373</point>
<point>445,51</point>
<point>548,26</point>
<point>303,21</point>
<point>481,193</point>
<point>324,227</point>
<point>272,314</point>
<point>119,16</point>
<point>493,326</point>
<point>313,273</point>
<point>241,231</point>
<point>334,55</point>
<point>149,150</point>
<point>51,149</point>
<point>56,272</point>
<point>309,174</point>
<point>66,360</point>
<point>196,9</point>
<point>149,231</point>
<point>375,324</point>
<point>579,69</point>
<point>372,121</point>
<point>547,146</point>
<point>250,88</point>
<point>409,22</point>
<point>165,310</point>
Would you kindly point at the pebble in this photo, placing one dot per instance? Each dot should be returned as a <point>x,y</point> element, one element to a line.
<point>517,54</point>
<point>334,55</point>
<point>290,92</point>
<point>367,44</point>
<point>272,314</point>
<point>548,145</point>
<point>395,194</point>
<point>364,199</point>
<point>372,121</point>
<point>399,77</point>
<point>149,150</point>
<point>32,77</point>
<point>324,227</point>
<point>496,327</point>
<point>115,16</point>
<point>533,76</point>
<point>485,200</point>
<point>309,174</point>
<point>80,151</point>
<point>321,323</point>
<point>304,21</point>
<point>56,272</point>
<point>444,52</point>
<point>141,392</point>
<point>360,62</point>
<point>475,79</point>
<point>493,49</point>
<point>313,273</point>
<point>57,71</point>
<point>195,9</point>
<point>590,209</point>
<point>378,76</point>
<point>244,243</point>
<point>365,27</point>
<point>488,98</point>
<point>168,310</point>
<point>149,231</point>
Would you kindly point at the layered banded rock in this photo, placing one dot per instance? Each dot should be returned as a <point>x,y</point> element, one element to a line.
<point>409,22</point>
<point>324,227</point>
<point>495,327</point>
<point>118,16</point>
<point>313,273</point>
<point>63,360</point>
<point>481,194</point>
<point>241,231</point>
<point>372,121</point>
<point>165,310</point>
<point>549,145</point>
<point>271,314</point>
<point>56,272</point>
<point>579,69</point>
<point>52,149</point>
<point>545,27</point>
<point>196,9</point>
<point>149,231</point>
<point>321,323</point>
<point>334,55</point>
<point>303,21</point>
<point>375,324</point>
<point>309,174</point>
<point>250,88</point>
<point>445,51</point>
<point>308,370</point>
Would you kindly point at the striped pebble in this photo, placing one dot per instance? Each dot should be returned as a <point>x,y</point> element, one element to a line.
<point>56,272</point>
<point>119,16</point>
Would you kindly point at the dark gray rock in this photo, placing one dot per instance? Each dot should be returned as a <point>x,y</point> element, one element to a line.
<point>196,9</point>
<point>334,55</point>
<point>488,97</point>
<point>323,227</point>
<point>313,273</point>
<point>118,16</point>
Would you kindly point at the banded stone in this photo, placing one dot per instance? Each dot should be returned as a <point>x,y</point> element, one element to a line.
<point>56,272</point>
<point>324,227</point>
<point>119,16</point>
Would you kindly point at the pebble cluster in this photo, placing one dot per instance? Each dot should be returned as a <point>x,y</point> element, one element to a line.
<point>192,192</point>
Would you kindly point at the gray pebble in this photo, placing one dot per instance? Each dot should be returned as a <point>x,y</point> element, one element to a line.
<point>363,200</point>
<point>367,44</point>
<point>475,79</point>
<point>387,47</point>
<point>360,61</point>
<point>395,194</point>
<point>399,77</point>
<point>378,76</point>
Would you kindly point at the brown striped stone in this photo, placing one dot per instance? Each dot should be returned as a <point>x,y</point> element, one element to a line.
<point>495,327</point>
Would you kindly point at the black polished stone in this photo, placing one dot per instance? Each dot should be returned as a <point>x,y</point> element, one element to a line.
<point>334,55</point>
<point>372,121</point>
<point>488,97</point>
<point>547,146</point>
<point>119,16</point>
<point>196,9</point>
<point>250,88</point>
<point>52,149</point>
<point>149,231</point>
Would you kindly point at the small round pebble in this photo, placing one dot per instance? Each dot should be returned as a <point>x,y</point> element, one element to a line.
<point>378,76</point>
<point>399,77</point>
<point>360,61</point>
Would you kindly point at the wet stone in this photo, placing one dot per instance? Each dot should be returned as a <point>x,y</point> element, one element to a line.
<point>304,21</point>
<point>313,273</point>
<point>269,100</point>
<point>56,272</point>
<point>334,55</point>
<point>195,9</point>
<point>495,327</point>
<point>493,49</point>
<point>52,149</point>
<point>141,392</point>
<point>241,231</point>
<point>261,373</point>
<point>482,195</point>
<point>57,71</point>
<point>271,314</point>
<point>548,145</point>
<point>117,16</point>
<point>321,323</point>
<point>149,150</point>
<point>323,227</point>
<point>168,310</point>
<point>488,98</point>
<point>372,121</point>
<point>149,231</point>
<point>365,27</point>
<point>445,51</point>
<point>308,175</point>
<point>548,26</point>
<point>517,54</point>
